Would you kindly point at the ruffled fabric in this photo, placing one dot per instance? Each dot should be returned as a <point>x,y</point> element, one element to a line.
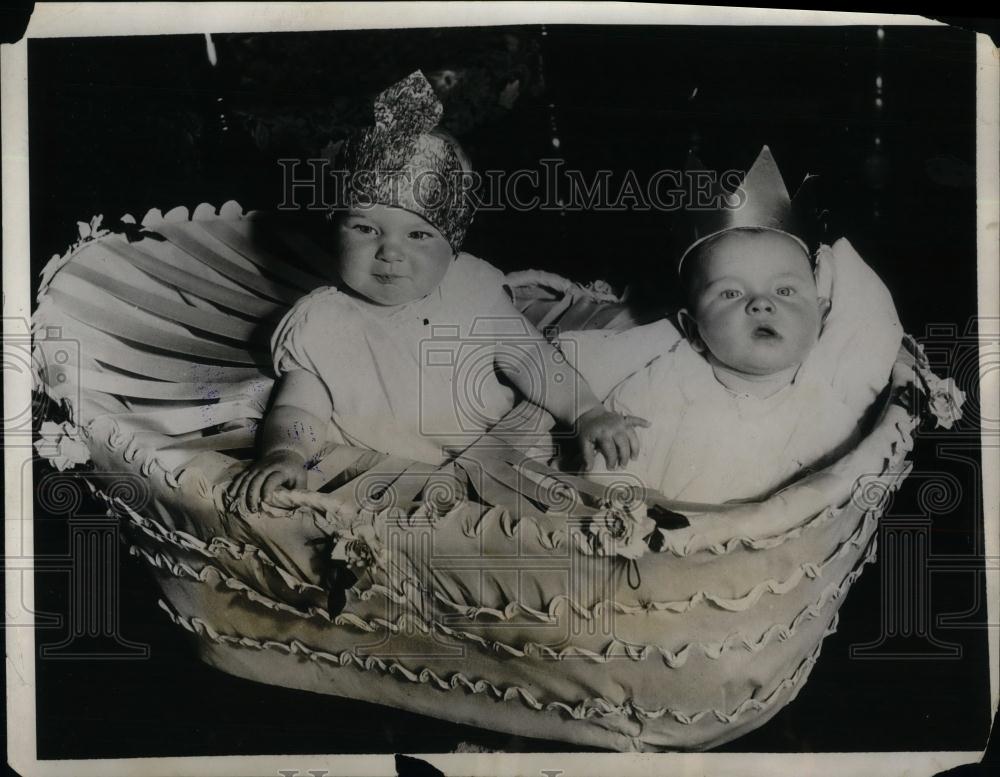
<point>578,710</point>
<point>614,649</point>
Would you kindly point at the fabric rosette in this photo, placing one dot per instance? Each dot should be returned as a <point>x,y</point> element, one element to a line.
<point>353,536</point>
<point>62,444</point>
<point>356,542</point>
<point>353,532</point>
<point>620,528</point>
<point>944,399</point>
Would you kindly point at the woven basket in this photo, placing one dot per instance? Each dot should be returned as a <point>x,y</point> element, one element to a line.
<point>480,597</point>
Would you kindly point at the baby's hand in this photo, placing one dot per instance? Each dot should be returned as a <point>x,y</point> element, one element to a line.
<point>256,484</point>
<point>611,434</point>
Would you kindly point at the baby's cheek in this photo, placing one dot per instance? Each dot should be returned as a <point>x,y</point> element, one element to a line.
<point>802,348</point>
<point>811,327</point>
<point>724,341</point>
<point>348,266</point>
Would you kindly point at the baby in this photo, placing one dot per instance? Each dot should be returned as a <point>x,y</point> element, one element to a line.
<point>773,362</point>
<point>402,357</point>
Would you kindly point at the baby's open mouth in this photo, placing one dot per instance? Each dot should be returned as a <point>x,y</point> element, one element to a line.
<point>765,332</point>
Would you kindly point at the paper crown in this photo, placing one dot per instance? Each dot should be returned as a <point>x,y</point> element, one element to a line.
<point>397,163</point>
<point>761,201</point>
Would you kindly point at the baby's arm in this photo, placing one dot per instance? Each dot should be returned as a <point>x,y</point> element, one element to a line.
<point>570,401</point>
<point>293,433</point>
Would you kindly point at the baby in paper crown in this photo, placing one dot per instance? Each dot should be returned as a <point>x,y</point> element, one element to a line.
<point>771,365</point>
<point>353,358</point>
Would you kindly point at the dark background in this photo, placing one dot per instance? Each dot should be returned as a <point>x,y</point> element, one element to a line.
<point>124,125</point>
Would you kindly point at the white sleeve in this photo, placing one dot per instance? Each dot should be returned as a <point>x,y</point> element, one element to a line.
<point>605,359</point>
<point>294,339</point>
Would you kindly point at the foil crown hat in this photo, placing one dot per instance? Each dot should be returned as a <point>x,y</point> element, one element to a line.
<point>761,201</point>
<point>396,162</point>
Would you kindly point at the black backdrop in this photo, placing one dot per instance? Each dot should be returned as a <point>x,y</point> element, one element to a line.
<point>124,125</point>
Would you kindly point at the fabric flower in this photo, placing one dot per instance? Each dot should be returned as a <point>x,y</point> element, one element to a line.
<point>62,445</point>
<point>620,529</point>
<point>357,543</point>
<point>90,231</point>
<point>945,399</point>
<point>601,291</point>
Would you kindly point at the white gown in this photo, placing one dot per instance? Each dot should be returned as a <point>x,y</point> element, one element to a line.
<point>411,382</point>
<point>708,444</point>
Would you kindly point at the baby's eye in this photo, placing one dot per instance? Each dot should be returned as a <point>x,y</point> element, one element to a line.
<point>419,234</point>
<point>731,294</point>
<point>364,229</point>
<point>785,291</point>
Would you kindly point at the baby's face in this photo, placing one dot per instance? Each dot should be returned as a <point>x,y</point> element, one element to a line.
<point>389,255</point>
<point>754,301</point>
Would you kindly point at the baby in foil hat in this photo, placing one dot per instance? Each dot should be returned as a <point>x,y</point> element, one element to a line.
<point>403,354</point>
<point>767,371</point>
